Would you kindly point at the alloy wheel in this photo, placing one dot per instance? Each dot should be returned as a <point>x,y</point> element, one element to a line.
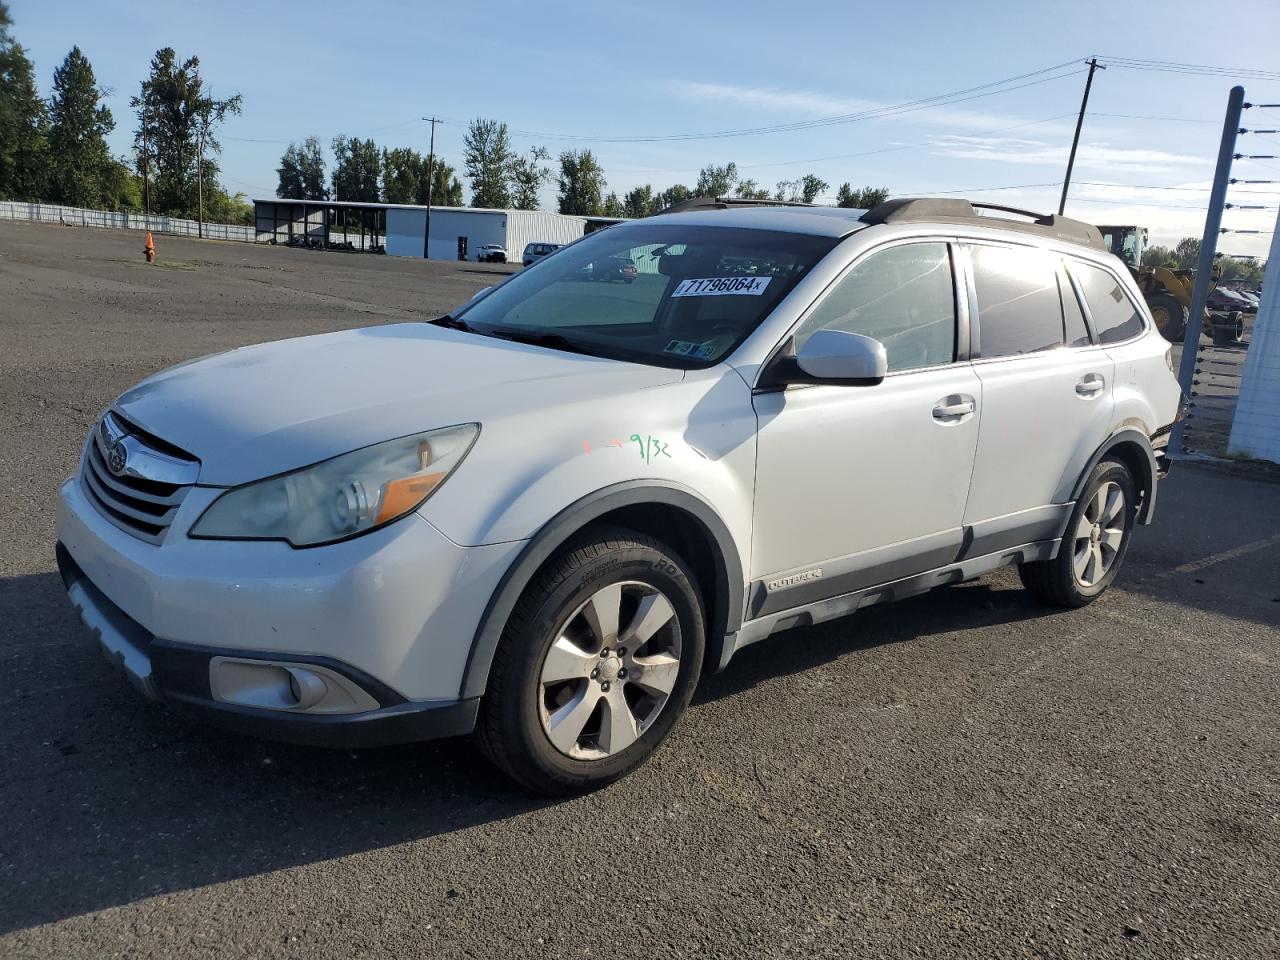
<point>610,670</point>
<point>1098,535</point>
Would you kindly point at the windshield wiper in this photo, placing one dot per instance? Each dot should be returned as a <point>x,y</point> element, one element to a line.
<point>553,341</point>
<point>452,323</point>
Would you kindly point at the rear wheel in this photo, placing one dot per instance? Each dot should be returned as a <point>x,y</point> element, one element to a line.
<point>598,661</point>
<point>1095,544</point>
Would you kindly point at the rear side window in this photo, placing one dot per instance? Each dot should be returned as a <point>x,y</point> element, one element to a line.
<point>1115,318</point>
<point>902,296</point>
<point>1073,317</point>
<point>1019,308</point>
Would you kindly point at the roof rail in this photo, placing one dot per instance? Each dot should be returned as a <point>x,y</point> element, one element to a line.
<point>724,203</point>
<point>952,210</point>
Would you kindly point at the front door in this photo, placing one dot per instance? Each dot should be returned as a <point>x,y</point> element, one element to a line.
<point>857,486</point>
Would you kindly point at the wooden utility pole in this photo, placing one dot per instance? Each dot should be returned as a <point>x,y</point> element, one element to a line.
<point>431,179</point>
<point>1075,141</point>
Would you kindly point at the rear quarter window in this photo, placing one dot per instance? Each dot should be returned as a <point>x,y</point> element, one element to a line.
<point>1115,317</point>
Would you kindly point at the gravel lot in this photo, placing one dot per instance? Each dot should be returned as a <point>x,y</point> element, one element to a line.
<point>964,774</point>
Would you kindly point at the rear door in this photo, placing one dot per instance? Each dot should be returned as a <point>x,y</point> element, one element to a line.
<point>1047,394</point>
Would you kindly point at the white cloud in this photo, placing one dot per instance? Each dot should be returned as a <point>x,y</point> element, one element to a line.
<point>811,105</point>
<point>771,98</point>
<point>1102,156</point>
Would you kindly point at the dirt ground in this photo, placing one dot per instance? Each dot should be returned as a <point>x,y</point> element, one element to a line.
<point>964,774</point>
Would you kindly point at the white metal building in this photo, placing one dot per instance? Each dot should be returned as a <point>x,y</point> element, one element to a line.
<point>402,228</point>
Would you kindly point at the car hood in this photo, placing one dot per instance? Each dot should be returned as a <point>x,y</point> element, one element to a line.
<point>266,409</point>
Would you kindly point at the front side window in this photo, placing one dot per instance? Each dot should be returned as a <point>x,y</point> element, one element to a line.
<point>1115,318</point>
<point>902,296</point>
<point>670,294</point>
<point>1019,308</point>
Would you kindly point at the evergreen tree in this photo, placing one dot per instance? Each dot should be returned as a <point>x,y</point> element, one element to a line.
<point>81,165</point>
<point>176,141</point>
<point>23,144</point>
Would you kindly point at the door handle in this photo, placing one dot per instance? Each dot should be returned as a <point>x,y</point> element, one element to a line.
<point>952,409</point>
<point>1091,385</point>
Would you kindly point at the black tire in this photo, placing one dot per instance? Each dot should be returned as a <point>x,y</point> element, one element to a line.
<point>1228,329</point>
<point>1057,581</point>
<point>1170,316</point>
<point>510,727</point>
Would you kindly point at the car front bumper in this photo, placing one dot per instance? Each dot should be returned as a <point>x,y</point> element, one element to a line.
<point>392,614</point>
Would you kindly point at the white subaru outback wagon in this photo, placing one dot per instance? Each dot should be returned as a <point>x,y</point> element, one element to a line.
<point>540,519</point>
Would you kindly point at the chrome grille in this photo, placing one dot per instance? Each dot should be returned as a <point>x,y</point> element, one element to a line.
<point>143,494</point>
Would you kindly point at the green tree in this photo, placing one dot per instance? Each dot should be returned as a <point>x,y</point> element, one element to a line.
<point>529,175</point>
<point>176,139</point>
<point>863,199</point>
<point>235,208</point>
<point>301,172</point>
<point>716,181</point>
<point>805,190</point>
<point>404,175</point>
<point>356,169</point>
<point>446,188</point>
<point>582,184</point>
<point>671,196</point>
<point>23,144</point>
<point>613,206</point>
<point>122,187</point>
<point>638,202</point>
<point>750,190</point>
<point>487,159</point>
<point>1239,268</point>
<point>79,160</point>
<point>1187,253</point>
<point>1158,256</point>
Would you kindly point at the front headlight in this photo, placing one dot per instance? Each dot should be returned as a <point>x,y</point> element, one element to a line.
<point>340,498</point>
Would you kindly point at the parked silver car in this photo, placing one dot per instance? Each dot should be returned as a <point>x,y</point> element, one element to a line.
<point>542,518</point>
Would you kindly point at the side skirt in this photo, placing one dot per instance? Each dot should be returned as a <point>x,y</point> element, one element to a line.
<point>845,604</point>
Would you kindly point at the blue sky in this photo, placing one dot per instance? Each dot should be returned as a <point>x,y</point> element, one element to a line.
<point>576,74</point>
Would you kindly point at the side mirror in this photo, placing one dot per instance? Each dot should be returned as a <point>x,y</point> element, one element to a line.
<point>831,357</point>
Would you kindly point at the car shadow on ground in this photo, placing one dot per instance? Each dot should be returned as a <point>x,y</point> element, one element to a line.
<point>106,799</point>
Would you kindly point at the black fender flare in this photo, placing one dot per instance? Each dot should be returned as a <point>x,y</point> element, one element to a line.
<point>1131,438</point>
<point>729,601</point>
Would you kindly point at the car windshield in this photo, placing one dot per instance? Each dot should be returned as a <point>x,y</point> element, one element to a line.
<point>662,293</point>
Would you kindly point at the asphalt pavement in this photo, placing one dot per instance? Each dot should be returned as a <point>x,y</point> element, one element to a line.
<point>964,774</point>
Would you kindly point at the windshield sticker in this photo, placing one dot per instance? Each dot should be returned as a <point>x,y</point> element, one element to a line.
<point>722,286</point>
<point>690,348</point>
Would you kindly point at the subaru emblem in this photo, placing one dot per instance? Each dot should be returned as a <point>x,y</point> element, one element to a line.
<point>117,458</point>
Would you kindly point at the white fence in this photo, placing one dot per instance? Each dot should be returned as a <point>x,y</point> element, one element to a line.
<point>79,217</point>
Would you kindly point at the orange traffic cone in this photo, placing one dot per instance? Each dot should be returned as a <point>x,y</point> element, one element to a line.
<point>150,249</point>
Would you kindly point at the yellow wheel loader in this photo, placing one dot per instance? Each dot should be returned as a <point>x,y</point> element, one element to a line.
<point>1168,289</point>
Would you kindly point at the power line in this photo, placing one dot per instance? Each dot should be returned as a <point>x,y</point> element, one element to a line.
<point>910,106</point>
<point>847,156</point>
<point>1172,66</point>
<point>1143,116</point>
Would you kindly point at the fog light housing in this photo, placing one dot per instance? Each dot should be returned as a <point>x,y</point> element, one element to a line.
<point>290,687</point>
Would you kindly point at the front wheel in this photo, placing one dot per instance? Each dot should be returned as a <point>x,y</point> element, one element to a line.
<point>1095,544</point>
<point>597,663</point>
<point>1170,316</point>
